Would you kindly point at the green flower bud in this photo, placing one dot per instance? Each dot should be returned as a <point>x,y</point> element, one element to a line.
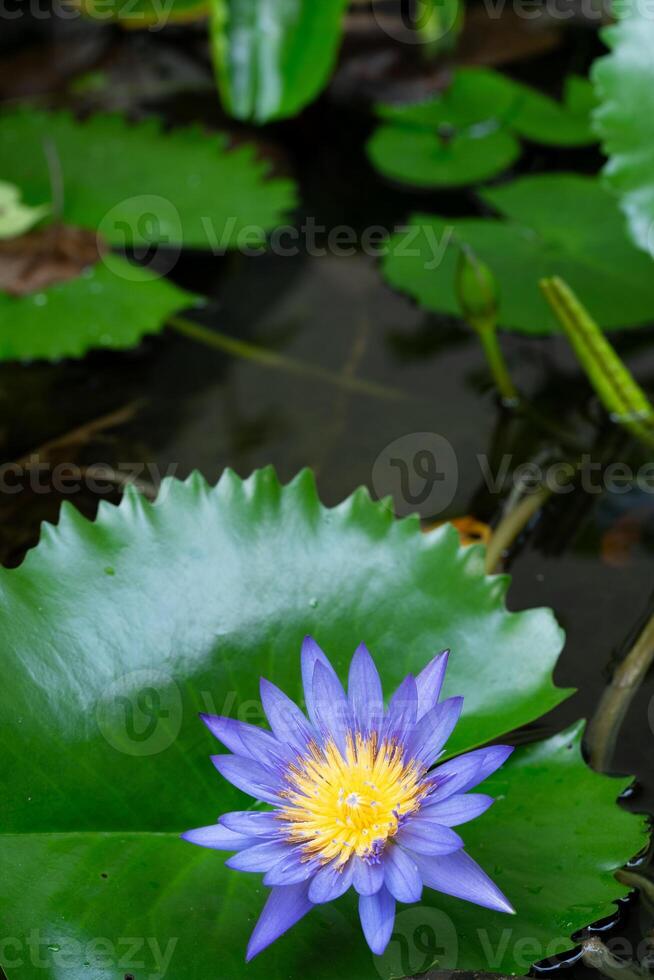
<point>476,290</point>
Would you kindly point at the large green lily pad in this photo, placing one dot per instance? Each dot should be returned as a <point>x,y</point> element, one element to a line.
<point>550,225</point>
<point>469,132</point>
<point>116,633</point>
<point>272,58</point>
<point>624,82</point>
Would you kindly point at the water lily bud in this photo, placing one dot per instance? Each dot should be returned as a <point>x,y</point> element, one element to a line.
<point>476,289</point>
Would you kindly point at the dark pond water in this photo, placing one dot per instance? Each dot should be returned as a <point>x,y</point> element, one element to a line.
<point>589,555</point>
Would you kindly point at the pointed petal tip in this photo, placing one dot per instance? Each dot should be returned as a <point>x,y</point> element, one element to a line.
<point>251,952</point>
<point>504,905</point>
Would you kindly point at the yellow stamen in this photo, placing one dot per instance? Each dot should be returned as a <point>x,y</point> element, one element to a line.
<point>340,805</point>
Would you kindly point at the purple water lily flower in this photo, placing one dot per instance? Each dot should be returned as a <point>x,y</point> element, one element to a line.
<point>355,799</point>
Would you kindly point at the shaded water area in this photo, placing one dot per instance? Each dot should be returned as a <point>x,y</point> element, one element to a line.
<point>589,553</point>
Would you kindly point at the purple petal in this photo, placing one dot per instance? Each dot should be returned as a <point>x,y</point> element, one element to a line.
<point>245,740</point>
<point>249,776</point>
<point>330,706</point>
<point>330,883</point>
<point>252,823</point>
<point>287,721</point>
<point>401,875</point>
<point>402,710</point>
<point>365,691</point>
<point>219,838</point>
<point>458,809</point>
<point>286,905</point>
<point>457,874</point>
<point>311,655</point>
<point>430,682</point>
<point>433,730</point>
<point>293,868</point>
<point>367,878</point>
<point>260,857</point>
<point>377,914</point>
<point>428,837</point>
<point>467,771</point>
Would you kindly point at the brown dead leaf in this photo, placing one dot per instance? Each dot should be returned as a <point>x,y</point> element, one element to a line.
<point>42,258</point>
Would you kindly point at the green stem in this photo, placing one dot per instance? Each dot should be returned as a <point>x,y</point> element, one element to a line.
<point>511,526</point>
<point>268,358</point>
<point>605,724</point>
<point>488,336</point>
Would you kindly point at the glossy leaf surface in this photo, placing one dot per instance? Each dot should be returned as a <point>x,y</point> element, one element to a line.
<point>116,633</point>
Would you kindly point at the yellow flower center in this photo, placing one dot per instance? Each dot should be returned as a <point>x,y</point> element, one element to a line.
<point>340,805</point>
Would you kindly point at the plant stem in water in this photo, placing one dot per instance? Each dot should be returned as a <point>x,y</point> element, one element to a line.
<point>605,724</point>
<point>268,358</point>
<point>512,525</point>
<point>496,362</point>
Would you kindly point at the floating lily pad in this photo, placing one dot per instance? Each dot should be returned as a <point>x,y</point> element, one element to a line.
<point>112,304</point>
<point>116,633</point>
<point>550,225</point>
<point>624,81</point>
<point>140,186</point>
<point>272,59</point>
<point>469,132</point>
<point>139,189</point>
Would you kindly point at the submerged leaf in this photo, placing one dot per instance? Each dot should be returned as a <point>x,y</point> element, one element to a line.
<point>468,133</point>
<point>50,255</point>
<point>551,225</point>
<point>104,764</point>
